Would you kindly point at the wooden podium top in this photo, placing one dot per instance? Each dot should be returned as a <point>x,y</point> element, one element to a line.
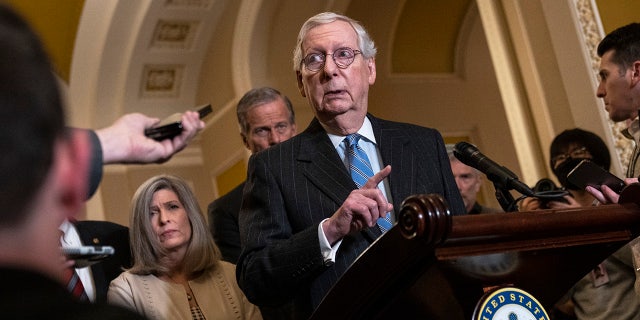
<point>433,265</point>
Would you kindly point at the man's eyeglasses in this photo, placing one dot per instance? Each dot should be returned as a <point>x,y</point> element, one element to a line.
<point>342,57</point>
<point>577,153</point>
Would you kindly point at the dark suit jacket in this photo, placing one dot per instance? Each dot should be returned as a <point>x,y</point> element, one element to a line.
<point>104,233</point>
<point>223,223</point>
<point>293,186</point>
<point>28,295</point>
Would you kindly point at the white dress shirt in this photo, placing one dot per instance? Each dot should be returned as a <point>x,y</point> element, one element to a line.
<point>71,238</point>
<point>368,144</point>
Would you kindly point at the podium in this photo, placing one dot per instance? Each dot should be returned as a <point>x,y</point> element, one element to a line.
<point>433,265</point>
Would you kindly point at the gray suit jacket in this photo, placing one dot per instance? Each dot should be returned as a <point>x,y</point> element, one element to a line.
<point>293,186</point>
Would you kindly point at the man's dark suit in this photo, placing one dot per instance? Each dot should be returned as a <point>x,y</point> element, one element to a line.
<point>104,233</point>
<point>223,223</point>
<point>294,185</point>
<point>29,295</point>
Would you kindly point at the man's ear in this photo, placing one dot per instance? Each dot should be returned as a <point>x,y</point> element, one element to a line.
<point>71,165</point>
<point>371,65</point>
<point>245,141</point>
<point>635,72</point>
<point>300,84</point>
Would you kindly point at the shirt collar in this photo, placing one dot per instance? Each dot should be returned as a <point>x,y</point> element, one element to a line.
<point>65,226</point>
<point>366,131</point>
<point>634,130</point>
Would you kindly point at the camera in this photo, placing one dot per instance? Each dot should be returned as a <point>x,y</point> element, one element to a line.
<point>544,185</point>
<point>546,190</point>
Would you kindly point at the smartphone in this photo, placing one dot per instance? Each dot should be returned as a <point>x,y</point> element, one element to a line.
<point>172,126</point>
<point>85,256</point>
<point>587,173</point>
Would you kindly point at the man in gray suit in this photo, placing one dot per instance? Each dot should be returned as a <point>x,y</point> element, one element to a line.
<point>303,219</point>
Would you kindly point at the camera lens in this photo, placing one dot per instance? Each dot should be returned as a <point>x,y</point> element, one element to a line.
<point>544,185</point>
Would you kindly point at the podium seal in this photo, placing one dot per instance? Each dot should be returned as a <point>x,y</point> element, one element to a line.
<point>509,303</point>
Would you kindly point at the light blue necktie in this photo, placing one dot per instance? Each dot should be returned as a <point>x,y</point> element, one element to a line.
<point>361,171</point>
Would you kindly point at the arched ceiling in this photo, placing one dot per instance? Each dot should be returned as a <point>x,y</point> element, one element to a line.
<point>437,22</point>
<point>437,25</point>
<point>433,54</point>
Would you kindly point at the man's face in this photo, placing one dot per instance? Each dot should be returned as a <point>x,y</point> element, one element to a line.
<point>331,91</point>
<point>468,182</point>
<point>618,89</point>
<point>268,125</point>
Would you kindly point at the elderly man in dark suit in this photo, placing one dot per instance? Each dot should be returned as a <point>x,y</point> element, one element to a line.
<point>305,218</point>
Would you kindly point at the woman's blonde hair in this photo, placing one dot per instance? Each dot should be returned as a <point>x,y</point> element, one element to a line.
<point>202,253</point>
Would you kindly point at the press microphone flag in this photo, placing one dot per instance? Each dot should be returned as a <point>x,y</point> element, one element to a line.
<point>501,176</point>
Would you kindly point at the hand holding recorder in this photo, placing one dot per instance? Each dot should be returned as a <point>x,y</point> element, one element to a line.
<point>125,142</point>
<point>603,185</point>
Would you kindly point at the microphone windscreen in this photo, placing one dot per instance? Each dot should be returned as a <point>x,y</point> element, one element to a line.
<point>464,152</point>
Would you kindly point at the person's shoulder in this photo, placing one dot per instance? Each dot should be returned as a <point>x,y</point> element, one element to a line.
<point>224,269</point>
<point>129,277</point>
<point>402,126</point>
<point>283,149</point>
<point>228,268</point>
<point>231,196</point>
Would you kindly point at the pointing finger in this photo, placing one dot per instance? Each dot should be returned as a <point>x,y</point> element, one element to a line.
<point>373,182</point>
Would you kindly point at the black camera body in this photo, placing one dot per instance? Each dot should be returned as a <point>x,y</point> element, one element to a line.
<point>546,190</point>
<point>544,185</point>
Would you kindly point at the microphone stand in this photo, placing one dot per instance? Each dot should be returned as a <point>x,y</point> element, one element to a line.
<point>506,200</point>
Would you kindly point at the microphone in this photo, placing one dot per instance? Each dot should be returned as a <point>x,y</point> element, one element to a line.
<point>501,176</point>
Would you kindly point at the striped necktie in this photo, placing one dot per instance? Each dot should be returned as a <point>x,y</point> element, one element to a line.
<point>72,280</point>
<point>361,171</point>
<point>74,285</point>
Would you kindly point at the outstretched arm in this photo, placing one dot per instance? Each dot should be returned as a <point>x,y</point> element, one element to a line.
<point>124,141</point>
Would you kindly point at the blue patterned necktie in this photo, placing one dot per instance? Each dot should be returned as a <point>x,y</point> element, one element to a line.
<point>361,171</point>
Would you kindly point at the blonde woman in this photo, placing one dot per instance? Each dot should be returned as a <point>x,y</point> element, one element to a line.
<point>177,272</point>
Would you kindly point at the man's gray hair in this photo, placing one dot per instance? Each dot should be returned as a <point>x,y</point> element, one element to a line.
<point>365,42</point>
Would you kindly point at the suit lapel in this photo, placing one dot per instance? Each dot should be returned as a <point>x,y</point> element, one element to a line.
<point>89,237</point>
<point>322,165</point>
<point>395,149</point>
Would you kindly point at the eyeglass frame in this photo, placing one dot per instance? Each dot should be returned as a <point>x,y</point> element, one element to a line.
<point>324,58</point>
<point>581,152</point>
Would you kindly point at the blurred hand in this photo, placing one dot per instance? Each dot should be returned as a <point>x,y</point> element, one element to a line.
<point>529,204</point>
<point>124,141</point>
<point>360,210</point>
<point>606,195</point>
<point>572,203</point>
